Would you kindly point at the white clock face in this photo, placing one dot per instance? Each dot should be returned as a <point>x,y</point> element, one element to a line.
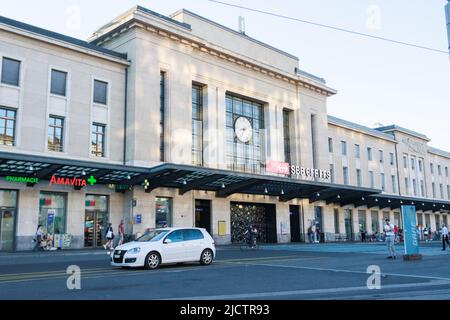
<point>243,129</point>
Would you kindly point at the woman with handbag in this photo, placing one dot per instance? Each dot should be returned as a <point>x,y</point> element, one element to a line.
<point>109,237</point>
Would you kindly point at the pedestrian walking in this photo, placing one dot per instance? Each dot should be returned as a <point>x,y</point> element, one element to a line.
<point>390,239</point>
<point>314,233</point>
<point>109,237</point>
<point>318,237</point>
<point>121,233</point>
<point>444,236</point>
<point>38,239</point>
<point>363,234</point>
<point>310,234</point>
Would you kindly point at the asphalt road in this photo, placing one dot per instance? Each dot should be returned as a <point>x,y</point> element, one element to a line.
<point>284,272</point>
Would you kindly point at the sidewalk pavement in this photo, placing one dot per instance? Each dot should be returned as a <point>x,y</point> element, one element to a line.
<point>428,248</point>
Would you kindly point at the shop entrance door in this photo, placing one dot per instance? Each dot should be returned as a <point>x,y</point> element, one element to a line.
<point>94,228</point>
<point>203,214</point>
<point>7,229</point>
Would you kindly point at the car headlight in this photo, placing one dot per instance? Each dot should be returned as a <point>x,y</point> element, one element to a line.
<point>134,250</point>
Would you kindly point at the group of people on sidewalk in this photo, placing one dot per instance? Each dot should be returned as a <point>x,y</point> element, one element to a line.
<point>314,233</point>
<point>42,241</point>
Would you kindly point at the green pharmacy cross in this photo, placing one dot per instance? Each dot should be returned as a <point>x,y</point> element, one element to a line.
<point>92,180</point>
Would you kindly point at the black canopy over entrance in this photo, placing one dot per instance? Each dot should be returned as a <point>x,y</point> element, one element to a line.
<point>223,182</point>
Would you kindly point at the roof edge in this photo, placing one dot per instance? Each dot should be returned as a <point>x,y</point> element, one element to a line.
<point>403,130</point>
<point>360,128</point>
<point>60,37</point>
<point>235,32</point>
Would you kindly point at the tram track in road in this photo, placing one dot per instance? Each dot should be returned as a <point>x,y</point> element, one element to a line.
<point>92,273</point>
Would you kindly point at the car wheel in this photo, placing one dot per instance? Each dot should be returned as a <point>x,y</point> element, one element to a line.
<point>207,257</point>
<point>152,260</point>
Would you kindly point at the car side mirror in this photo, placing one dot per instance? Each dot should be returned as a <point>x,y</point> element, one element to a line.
<point>167,241</point>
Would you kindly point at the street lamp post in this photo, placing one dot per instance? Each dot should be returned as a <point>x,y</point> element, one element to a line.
<point>447,15</point>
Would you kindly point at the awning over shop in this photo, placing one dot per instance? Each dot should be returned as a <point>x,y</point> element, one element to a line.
<point>384,201</point>
<point>43,168</point>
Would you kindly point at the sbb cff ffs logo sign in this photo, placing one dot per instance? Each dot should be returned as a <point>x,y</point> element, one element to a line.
<point>286,169</point>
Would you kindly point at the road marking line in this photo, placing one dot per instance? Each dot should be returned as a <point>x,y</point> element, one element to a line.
<point>47,272</point>
<point>303,292</point>
<point>349,271</point>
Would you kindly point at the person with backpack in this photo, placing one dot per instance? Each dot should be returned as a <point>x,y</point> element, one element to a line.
<point>109,236</point>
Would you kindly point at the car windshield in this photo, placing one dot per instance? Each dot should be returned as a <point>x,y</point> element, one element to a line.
<point>152,235</point>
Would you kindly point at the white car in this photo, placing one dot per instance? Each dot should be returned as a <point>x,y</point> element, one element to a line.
<point>166,245</point>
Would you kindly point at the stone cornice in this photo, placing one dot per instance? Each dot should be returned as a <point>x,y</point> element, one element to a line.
<point>218,53</point>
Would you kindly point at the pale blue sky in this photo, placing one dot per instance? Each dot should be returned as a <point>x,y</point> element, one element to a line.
<point>378,82</point>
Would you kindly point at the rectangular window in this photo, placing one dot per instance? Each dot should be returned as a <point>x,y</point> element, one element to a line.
<point>162,106</point>
<point>163,212</point>
<point>405,162</point>
<point>197,125</point>
<point>58,83</point>
<point>7,126</point>
<point>375,222</point>
<point>369,154</point>
<point>383,182</point>
<point>245,153</point>
<point>55,133</point>
<point>446,172</point>
<point>330,145</point>
<point>345,174</point>
<point>358,177</point>
<point>431,168</point>
<point>439,170</point>
<point>371,180</point>
<point>448,192</point>
<point>332,173</point>
<point>414,187</point>
<point>407,185</point>
<point>286,136</point>
<point>420,165</point>
<point>394,184</point>
<point>441,190</point>
<point>433,189</point>
<point>381,156</point>
<point>336,221</point>
<point>100,92</point>
<point>344,148</point>
<point>357,151</point>
<point>391,158</point>
<point>362,220</point>
<point>98,140</point>
<point>52,212</point>
<point>422,188</point>
<point>413,164</point>
<point>11,72</point>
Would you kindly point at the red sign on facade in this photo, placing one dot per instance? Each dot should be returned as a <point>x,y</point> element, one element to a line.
<point>277,167</point>
<point>76,182</point>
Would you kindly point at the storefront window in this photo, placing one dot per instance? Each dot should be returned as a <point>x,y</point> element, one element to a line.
<point>163,212</point>
<point>52,212</point>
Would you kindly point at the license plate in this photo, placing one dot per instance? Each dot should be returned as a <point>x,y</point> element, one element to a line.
<point>116,256</point>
